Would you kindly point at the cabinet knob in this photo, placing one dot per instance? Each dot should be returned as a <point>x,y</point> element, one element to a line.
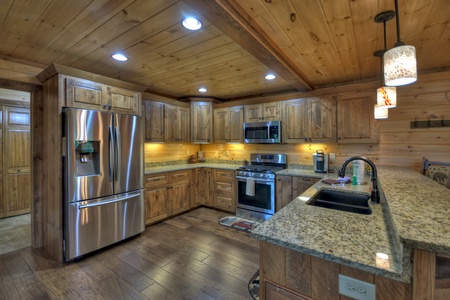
<point>109,106</point>
<point>105,106</point>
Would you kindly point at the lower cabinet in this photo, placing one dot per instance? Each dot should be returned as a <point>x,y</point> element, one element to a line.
<point>224,190</point>
<point>290,187</point>
<point>166,194</point>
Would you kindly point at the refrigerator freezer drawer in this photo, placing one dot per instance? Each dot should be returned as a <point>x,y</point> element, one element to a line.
<point>94,224</point>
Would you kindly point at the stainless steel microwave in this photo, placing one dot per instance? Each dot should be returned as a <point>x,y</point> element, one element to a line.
<point>262,132</point>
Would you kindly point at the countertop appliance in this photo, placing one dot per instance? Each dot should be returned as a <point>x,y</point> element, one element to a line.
<point>103,179</point>
<point>256,186</point>
<point>320,162</point>
<point>262,132</point>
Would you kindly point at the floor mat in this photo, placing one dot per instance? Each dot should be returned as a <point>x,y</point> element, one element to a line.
<point>253,286</point>
<point>238,223</point>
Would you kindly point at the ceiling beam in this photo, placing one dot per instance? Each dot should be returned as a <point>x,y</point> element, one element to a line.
<point>238,25</point>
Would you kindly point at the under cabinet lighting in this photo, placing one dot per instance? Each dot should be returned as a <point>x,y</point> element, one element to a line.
<point>119,57</point>
<point>192,23</point>
<point>270,77</point>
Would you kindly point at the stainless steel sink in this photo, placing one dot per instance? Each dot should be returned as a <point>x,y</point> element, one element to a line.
<point>350,202</point>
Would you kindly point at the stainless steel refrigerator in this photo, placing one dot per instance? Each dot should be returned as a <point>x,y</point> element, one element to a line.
<point>103,179</point>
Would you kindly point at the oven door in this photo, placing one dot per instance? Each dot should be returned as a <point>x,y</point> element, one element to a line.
<point>264,199</point>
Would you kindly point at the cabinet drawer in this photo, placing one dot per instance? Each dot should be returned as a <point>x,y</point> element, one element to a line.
<point>157,179</point>
<point>179,176</point>
<point>223,201</point>
<point>225,175</point>
<point>224,187</point>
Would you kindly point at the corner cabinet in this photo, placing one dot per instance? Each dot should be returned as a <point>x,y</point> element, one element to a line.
<point>309,120</point>
<point>83,93</point>
<point>270,111</point>
<point>201,122</point>
<point>355,119</point>
<point>228,124</point>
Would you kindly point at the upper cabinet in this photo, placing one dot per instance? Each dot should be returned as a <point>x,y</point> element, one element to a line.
<point>202,129</point>
<point>263,112</point>
<point>154,121</point>
<point>176,124</point>
<point>309,120</point>
<point>228,124</point>
<point>355,120</point>
<point>83,93</point>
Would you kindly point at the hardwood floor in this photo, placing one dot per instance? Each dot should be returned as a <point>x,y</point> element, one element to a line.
<point>188,257</point>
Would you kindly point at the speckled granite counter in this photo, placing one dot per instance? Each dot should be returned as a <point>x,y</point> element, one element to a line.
<point>404,220</point>
<point>179,167</point>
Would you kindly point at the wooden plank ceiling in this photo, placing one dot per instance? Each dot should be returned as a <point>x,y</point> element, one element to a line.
<point>309,44</point>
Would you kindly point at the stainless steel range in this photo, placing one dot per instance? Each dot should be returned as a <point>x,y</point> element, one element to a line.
<point>256,186</point>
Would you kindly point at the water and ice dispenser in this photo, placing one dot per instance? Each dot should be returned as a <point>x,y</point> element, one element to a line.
<point>87,158</point>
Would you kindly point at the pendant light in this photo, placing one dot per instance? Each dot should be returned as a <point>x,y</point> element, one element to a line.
<point>380,112</point>
<point>400,65</point>
<point>386,96</point>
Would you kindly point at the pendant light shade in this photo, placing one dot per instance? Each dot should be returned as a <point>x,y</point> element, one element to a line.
<point>387,96</point>
<point>380,112</point>
<point>400,66</point>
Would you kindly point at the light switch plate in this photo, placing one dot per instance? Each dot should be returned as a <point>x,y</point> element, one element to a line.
<point>355,288</point>
<point>332,156</point>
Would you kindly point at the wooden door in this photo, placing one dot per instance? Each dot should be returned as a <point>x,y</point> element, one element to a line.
<point>301,184</point>
<point>271,111</point>
<point>322,120</point>
<point>156,198</point>
<point>154,121</point>
<point>124,101</point>
<point>235,121</point>
<point>207,187</point>
<point>253,113</point>
<point>296,128</point>
<point>283,190</point>
<point>202,129</point>
<point>82,93</point>
<point>182,124</point>
<point>17,161</point>
<point>221,125</point>
<point>179,196</point>
<point>355,121</point>
<point>196,188</point>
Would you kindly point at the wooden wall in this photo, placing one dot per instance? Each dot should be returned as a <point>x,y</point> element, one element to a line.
<point>399,145</point>
<point>168,152</point>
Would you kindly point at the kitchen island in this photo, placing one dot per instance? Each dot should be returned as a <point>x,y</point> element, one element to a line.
<point>412,219</point>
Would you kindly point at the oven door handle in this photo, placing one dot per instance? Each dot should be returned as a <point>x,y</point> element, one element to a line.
<point>256,179</point>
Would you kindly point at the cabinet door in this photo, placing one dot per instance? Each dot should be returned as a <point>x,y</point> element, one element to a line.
<point>179,196</point>
<point>221,125</point>
<point>355,119</point>
<point>301,184</point>
<point>17,163</point>
<point>202,122</point>
<point>124,101</point>
<point>253,113</point>
<point>156,200</point>
<point>82,93</point>
<point>154,121</point>
<point>322,119</point>
<point>207,187</point>
<point>235,124</point>
<point>283,190</point>
<point>196,188</point>
<point>271,111</point>
<point>296,128</point>
<point>182,124</point>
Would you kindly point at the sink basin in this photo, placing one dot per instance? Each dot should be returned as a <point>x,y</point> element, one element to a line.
<point>350,202</point>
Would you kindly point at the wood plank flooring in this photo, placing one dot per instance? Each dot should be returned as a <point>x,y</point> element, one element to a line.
<point>188,257</point>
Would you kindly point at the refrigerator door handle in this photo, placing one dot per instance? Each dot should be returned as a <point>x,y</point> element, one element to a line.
<point>116,199</point>
<point>111,153</point>
<point>116,153</point>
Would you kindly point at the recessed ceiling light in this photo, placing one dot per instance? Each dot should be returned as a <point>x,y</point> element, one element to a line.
<point>202,90</point>
<point>192,23</point>
<point>119,57</point>
<point>270,77</point>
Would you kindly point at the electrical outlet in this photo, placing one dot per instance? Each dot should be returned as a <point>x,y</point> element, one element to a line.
<point>332,156</point>
<point>355,288</point>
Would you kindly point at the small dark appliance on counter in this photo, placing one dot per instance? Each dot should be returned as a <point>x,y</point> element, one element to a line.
<point>320,161</point>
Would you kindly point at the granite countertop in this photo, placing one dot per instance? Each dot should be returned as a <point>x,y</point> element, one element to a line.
<point>185,166</point>
<point>404,220</point>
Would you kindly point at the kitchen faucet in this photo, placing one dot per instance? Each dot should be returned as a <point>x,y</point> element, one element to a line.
<point>375,197</point>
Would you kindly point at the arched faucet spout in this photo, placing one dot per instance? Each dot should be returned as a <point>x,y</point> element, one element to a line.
<point>375,197</point>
